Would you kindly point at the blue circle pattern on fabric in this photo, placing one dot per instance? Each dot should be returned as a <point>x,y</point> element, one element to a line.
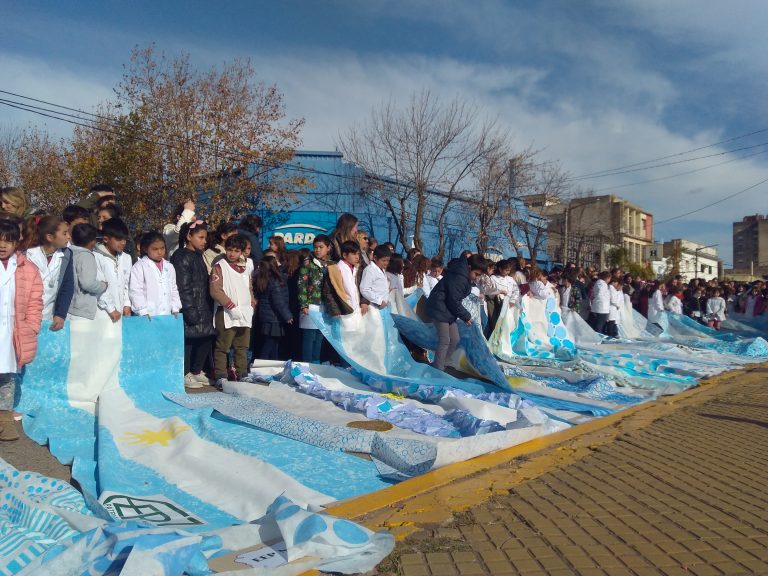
<point>349,532</point>
<point>287,512</point>
<point>309,527</point>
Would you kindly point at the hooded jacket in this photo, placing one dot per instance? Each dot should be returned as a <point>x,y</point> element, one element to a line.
<point>196,301</point>
<point>87,286</point>
<point>444,302</point>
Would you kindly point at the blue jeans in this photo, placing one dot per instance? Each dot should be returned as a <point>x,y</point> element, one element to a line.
<point>311,344</point>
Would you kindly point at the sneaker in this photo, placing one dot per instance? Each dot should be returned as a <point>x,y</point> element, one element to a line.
<point>191,381</point>
<point>202,378</point>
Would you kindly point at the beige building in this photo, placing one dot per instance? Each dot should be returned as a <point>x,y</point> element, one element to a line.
<point>750,246</point>
<point>585,229</point>
<point>692,260</point>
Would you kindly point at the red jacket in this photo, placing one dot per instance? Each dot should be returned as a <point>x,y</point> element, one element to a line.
<point>29,310</point>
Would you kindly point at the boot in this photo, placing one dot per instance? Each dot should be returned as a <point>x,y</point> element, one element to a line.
<point>7,426</point>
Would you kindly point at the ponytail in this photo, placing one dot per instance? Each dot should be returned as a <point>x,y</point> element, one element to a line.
<point>36,228</point>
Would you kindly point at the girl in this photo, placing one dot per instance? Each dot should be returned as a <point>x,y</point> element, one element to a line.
<point>277,245</point>
<point>216,244</point>
<point>754,303</point>
<point>416,274</point>
<point>196,303</point>
<point>274,311</point>
<point>21,313</point>
<point>674,301</point>
<point>152,286</point>
<point>444,305</point>
<point>106,212</point>
<point>49,253</point>
<point>434,276</point>
<point>395,274</point>
<point>715,309</point>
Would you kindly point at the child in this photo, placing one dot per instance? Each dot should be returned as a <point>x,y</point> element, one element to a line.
<point>434,276</point>
<point>216,245</point>
<point>540,286</point>
<point>232,292</point>
<point>21,312</point>
<point>152,286</point>
<point>616,295</point>
<point>107,212</point>
<point>444,305</point>
<point>274,311</point>
<point>341,294</point>
<point>506,288</point>
<point>53,259</point>
<point>277,245</point>
<point>88,287</point>
<point>715,309</point>
<point>570,295</point>
<point>600,303</point>
<point>196,308</point>
<point>311,276</point>
<point>74,215</point>
<point>674,302</point>
<point>374,285</point>
<point>395,273</point>
<point>115,266</point>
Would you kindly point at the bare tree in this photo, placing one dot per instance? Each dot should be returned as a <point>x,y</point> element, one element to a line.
<point>10,139</point>
<point>417,159</point>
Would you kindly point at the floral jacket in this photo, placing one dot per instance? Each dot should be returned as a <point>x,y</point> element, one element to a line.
<point>311,276</point>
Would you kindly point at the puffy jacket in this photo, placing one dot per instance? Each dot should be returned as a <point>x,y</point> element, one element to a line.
<point>444,302</point>
<point>273,304</point>
<point>196,302</point>
<point>28,310</point>
<point>87,286</point>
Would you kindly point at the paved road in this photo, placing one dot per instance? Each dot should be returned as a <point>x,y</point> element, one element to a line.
<point>678,489</point>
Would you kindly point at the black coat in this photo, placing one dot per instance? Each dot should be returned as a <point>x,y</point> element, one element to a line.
<point>196,303</point>
<point>444,302</point>
<point>273,304</point>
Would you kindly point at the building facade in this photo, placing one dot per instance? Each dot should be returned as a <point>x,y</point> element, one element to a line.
<point>584,230</point>
<point>336,186</point>
<point>750,246</point>
<point>692,260</point>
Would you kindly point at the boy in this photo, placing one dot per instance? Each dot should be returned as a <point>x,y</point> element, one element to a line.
<point>600,303</point>
<point>341,294</point>
<point>434,276</point>
<point>616,297</point>
<point>374,285</point>
<point>74,215</point>
<point>232,290</point>
<point>115,266</point>
<point>88,287</point>
<point>311,276</point>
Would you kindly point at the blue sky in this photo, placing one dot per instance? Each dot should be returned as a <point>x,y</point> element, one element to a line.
<point>594,84</point>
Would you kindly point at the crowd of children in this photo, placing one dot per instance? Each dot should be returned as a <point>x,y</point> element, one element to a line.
<point>238,301</point>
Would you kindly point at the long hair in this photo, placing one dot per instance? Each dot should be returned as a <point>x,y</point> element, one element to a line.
<point>17,197</point>
<point>37,228</point>
<point>222,229</point>
<point>344,226</point>
<point>268,270</point>
<point>292,261</point>
<point>413,275</point>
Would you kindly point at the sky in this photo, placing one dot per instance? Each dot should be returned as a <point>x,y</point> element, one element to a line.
<point>595,84</point>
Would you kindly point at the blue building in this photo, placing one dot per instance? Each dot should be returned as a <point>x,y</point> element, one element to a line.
<point>337,186</point>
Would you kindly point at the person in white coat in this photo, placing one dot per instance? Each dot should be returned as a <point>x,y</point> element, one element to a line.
<point>616,295</point>
<point>656,305</point>
<point>600,303</point>
<point>152,286</point>
<point>115,267</point>
<point>673,302</point>
<point>374,284</point>
<point>715,309</point>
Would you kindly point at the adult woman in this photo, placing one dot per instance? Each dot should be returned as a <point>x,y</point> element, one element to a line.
<point>346,231</point>
<point>14,201</point>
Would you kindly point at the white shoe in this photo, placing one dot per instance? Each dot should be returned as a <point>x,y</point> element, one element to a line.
<point>202,378</point>
<point>191,381</point>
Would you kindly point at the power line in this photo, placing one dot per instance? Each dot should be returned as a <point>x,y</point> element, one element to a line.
<point>677,175</point>
<point>712,204</point>
<point>674,155</point>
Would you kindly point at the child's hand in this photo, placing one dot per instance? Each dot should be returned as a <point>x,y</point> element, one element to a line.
<point>364,309</point>
<point>468,322</point>
<point>189,205</point>
<point>57,324</point>
<point>305,311</point>
<point>290,322</point>
<point>384,304</point>
<point>115,315</point>
<point>175,314</point>
<point>126,311</point>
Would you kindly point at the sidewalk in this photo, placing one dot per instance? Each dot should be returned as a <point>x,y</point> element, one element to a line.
<point>679,486</point>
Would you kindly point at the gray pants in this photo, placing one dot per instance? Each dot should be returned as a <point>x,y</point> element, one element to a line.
<point>447,341</point>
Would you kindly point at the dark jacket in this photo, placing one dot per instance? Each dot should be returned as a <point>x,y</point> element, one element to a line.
<point>444,302</point>
<point>66,286</point>
<point>273,304</point>
<point>196,302</point>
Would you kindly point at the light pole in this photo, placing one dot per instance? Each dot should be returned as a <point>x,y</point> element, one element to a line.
<point>696,277</point>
